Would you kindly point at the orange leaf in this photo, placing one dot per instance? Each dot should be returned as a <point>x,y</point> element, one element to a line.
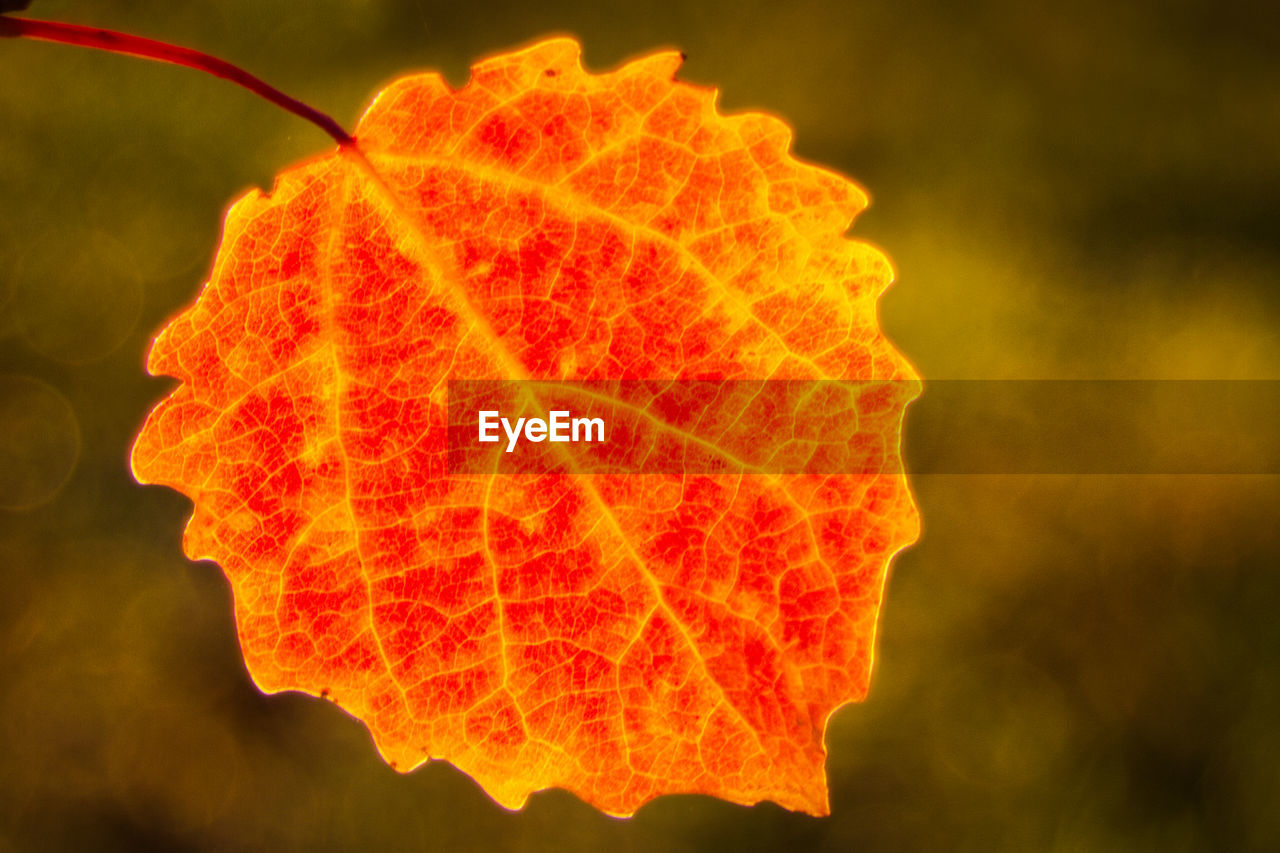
<point>622,636</point>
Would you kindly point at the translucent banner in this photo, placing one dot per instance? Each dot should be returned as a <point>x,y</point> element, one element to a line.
<point>850,427</point>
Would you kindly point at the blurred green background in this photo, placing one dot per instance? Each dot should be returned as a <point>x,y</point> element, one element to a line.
<point>1088,190</point>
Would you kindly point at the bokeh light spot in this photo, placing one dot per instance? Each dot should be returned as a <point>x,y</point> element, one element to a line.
<point>78,309</point>
<point>39,442</point>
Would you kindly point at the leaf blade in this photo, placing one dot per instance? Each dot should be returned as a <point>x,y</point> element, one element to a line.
<point>622,636</point>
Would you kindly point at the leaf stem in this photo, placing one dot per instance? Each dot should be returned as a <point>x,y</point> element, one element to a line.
<point>132,45</point>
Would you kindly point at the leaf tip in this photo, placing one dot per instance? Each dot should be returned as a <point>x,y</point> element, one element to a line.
<point>662,65</point>
<point>559,56</point>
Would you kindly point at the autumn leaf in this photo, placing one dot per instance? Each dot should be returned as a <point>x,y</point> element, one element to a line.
<point>621,636</point>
